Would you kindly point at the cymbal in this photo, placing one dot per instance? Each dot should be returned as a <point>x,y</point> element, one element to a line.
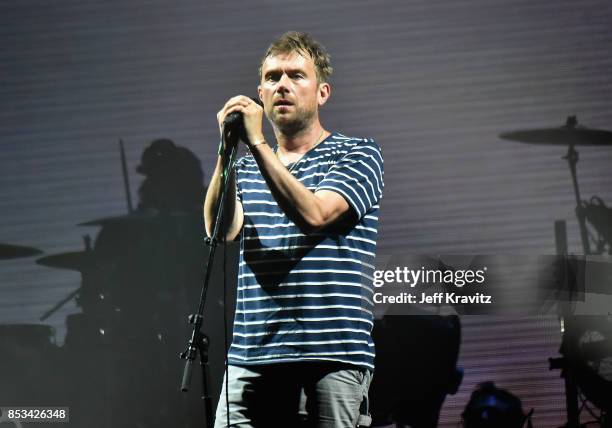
<point>569,134</point>
<point>8,251</point>
<point>76,260</point>
<point>149,216</point>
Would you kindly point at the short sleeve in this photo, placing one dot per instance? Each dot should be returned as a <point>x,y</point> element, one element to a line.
<point>357,176</point>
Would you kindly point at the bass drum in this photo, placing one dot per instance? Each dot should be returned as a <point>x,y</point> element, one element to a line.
<point>28,361</point>
<point>86,356</point>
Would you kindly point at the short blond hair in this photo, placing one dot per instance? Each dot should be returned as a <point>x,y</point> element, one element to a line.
<point>304,44</point>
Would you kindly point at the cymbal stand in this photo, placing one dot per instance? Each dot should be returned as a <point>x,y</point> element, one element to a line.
<point>572,160</point>
<point>565,312</point>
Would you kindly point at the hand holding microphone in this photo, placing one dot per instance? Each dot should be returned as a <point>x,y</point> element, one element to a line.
<point>241,119</point>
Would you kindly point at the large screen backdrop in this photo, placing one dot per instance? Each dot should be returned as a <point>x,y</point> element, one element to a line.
<point>434,83</point>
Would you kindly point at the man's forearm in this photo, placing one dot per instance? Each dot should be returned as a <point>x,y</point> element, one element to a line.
<point>213,197</point>
<point>299,203</point>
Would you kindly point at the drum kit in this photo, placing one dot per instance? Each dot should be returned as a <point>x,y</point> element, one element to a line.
<point>430,367</point>
<point>139,278</point>
<point>586,349</point>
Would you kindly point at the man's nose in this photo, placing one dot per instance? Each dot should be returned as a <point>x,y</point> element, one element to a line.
<point>283,84</point>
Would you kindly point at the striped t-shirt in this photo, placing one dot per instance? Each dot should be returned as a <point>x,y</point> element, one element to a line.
<point>309,297</point>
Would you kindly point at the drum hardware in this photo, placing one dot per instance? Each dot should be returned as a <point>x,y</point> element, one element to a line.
<point>8,251</point>
<point>571,134</point>
<point>81,261</point>
<point>135,282</point>
<point>126,178</point>
<point>585,344</point>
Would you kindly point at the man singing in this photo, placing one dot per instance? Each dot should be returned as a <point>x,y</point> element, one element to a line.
<point>306,211</point>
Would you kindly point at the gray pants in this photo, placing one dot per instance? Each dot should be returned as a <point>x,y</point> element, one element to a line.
<point>321,395</point>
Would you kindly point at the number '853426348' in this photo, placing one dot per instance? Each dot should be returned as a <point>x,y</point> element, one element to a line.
<point>25,414</point>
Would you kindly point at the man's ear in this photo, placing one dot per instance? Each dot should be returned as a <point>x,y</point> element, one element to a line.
<point>259,95</point>
<point>323,93</point>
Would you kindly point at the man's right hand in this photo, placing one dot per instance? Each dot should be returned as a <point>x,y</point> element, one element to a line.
<point>252,115</point>
<point>234,217</point>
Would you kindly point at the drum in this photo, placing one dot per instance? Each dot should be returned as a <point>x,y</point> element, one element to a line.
<point>28,355</point>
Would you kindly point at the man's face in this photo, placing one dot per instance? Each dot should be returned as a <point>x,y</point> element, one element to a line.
<point>290,91</point>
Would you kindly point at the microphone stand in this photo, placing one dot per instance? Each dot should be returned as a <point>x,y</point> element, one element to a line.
<point>198,342</point>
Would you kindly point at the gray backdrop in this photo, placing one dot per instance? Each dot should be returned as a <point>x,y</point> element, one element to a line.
<point>433,82</point>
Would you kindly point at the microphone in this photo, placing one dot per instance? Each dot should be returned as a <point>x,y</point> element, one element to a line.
<point>233,126</point>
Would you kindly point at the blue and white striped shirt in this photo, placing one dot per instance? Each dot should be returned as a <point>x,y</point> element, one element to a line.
<point>309,297</point>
